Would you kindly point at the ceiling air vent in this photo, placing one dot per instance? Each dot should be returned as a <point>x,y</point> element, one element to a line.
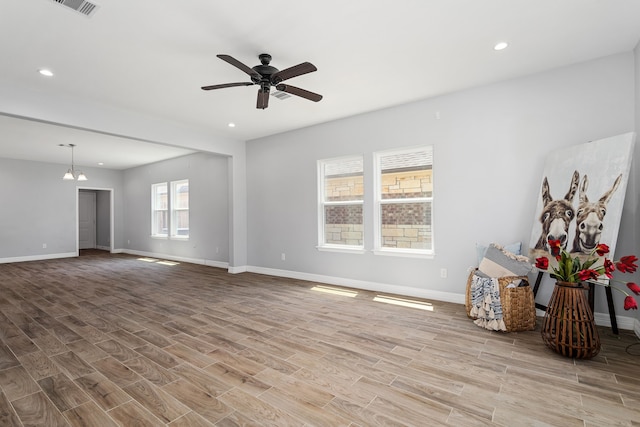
<point>81,6</point>
<point>280,94</point>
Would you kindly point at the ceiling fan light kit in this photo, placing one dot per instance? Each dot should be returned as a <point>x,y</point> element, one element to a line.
<point>266,76</point>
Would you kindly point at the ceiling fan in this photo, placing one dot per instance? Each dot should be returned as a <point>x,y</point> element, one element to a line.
<point>266,76</point>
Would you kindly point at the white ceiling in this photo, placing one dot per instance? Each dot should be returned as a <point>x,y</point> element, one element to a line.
<point>152,57</point>
<point>37,141</point>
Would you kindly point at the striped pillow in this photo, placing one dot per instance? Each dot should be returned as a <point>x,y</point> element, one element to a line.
<point>498,262</point>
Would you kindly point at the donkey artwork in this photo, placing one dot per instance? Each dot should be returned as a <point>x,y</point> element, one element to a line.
<point>556,214</point>
<point>590,216</point>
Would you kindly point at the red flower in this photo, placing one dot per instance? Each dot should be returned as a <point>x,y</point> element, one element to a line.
<point>628,264</point>
<point>630,303</point>
<point>602,249</point>
<point>587,274</point>
<point>634,288</point>
<point>542,263</point>
<point>609,268</point>
<point>554,247</point>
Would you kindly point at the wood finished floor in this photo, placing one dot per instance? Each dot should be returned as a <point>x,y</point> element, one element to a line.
<point>110,340</point>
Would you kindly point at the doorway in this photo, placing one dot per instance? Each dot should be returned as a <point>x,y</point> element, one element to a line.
<point>95,219</point>
<point>87,225</point>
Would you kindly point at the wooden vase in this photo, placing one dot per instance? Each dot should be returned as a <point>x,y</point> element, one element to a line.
<point>568,327</point>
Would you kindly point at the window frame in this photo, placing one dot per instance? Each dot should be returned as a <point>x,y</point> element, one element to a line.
<point>379,202</point>
<point>170,212</point>
<point>323,203</point>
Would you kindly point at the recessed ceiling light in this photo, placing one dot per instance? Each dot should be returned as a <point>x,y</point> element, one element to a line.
<point>100,164</point>
<point>231,125</point>
<point>46,72</point>
<point>501,46</point>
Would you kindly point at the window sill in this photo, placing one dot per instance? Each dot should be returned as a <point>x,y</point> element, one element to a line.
<point>165,237</point>
<point>343,249</point>
<point>405,253</point>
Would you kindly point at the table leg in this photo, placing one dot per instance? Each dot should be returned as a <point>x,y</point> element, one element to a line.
<point>612,311</point>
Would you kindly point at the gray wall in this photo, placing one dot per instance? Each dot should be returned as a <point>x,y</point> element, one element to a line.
<point>629,235</point>
<point>489,148</point>
<point>33,103</point>
<point>208,207</point>
<point>490,145</point>
<point>38,207</point>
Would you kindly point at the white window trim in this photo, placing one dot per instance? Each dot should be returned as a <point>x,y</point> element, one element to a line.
<point>322,245</point>
<point>341,248</point>
<point>171,230</point>
<point>406,253</point>
<point>378,249</point>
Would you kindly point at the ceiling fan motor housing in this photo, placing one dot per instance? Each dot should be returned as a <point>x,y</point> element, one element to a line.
<point>265,70</point>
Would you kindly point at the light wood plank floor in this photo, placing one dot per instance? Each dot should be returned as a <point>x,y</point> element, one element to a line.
<point>111,340</point>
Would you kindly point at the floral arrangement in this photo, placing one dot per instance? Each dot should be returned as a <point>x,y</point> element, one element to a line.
<point>572,269</point>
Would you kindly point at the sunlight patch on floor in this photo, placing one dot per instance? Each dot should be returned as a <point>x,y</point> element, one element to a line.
<point>405,302</point>
<point>335,291</point>
<point>157,261</point>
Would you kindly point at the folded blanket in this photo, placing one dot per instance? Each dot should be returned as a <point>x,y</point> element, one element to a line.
<point>485,303</point>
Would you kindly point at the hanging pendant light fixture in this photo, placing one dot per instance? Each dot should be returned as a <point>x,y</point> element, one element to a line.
<point>71,173</point>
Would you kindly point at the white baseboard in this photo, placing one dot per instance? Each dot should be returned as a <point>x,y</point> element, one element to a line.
<point>208,262</point>
<point>237,270</point>
<point>37,257</point>
<point>601,319</point>
<point>361,284</point>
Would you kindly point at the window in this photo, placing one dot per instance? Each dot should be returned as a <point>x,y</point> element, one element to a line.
<point>341,191</point>
<point>180,208</point>
<point>159,210</point>
<point>170,211</point>
<point>403,201</point>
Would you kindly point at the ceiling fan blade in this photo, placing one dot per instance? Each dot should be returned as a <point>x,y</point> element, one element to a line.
<point>233,61</point>
<point>226,85</point>
<point>299,92</point>
<point>263,99</point>
<point>296,70</point>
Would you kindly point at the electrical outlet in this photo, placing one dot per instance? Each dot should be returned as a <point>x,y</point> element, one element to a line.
<point>283,256</point>
<point>44,246</point>
<point>443,273</point>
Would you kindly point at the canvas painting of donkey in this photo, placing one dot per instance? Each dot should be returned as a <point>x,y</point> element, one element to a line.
<point>599,169</point>
<point>556,215</point>
<point>590,217</point>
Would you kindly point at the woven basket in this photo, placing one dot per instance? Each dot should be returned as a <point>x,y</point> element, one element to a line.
<point>518,304</point>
